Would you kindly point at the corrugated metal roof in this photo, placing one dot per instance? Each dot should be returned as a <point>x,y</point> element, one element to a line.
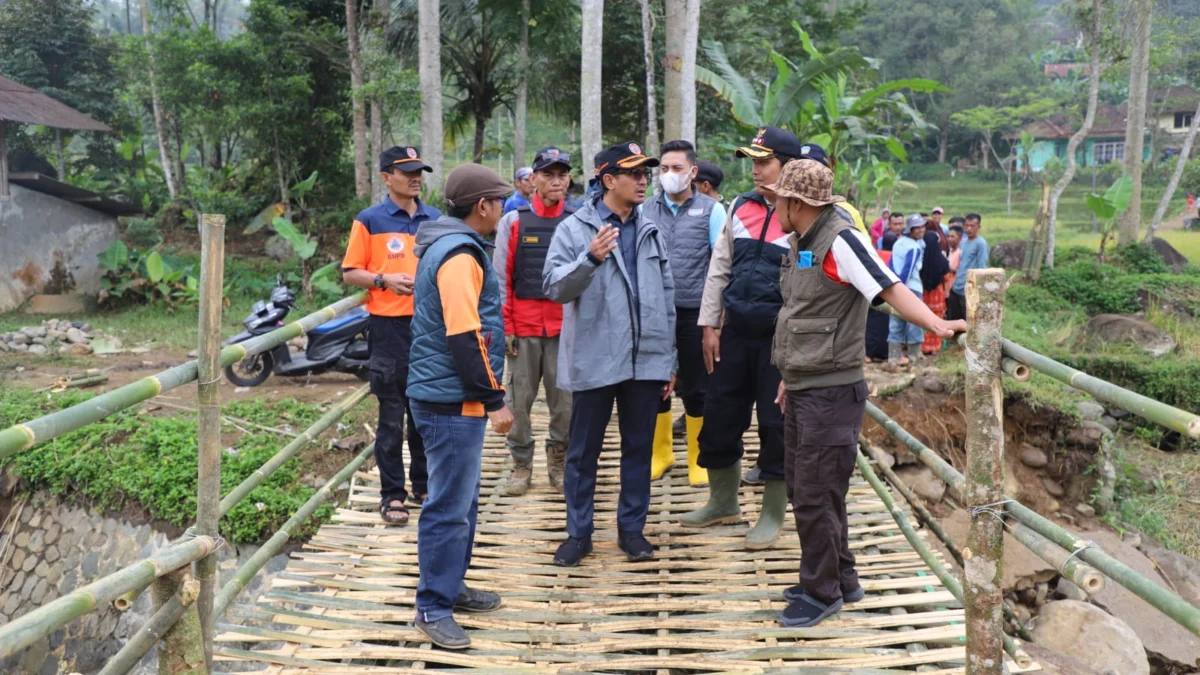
<point>19,103</point>
<point>67,192</point>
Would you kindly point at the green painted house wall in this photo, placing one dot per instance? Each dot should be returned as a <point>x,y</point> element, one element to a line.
<point>1048,148</point>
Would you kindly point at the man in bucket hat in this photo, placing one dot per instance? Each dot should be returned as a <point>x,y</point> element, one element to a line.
<point>830,277</point>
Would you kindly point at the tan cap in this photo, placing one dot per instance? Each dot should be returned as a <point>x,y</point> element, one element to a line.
<point>809,181</point>
<point>468,183</point>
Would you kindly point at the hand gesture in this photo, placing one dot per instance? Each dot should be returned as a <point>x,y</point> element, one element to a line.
<point>604,242</point>
<point>511,346</point>
<point>948,329</point>
<point>781,398</point>
<point>502,420</point>
<point>668,388</point>
<point>400,283</point>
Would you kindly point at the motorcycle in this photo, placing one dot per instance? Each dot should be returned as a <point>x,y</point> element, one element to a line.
<point>339,344</point>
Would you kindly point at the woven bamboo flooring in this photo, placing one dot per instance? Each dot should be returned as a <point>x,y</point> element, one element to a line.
<point>704,605</point>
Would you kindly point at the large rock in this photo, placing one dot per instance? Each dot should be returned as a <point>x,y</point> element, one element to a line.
<point>1173,258</point>
<point>76,336</point>
<point>1092,636</point>
<point>1130,330</point>
<point>1183,571</point>
<point>924,482</point>
<point>278,248</point>
<point>1022,568</point>
<point>1010,254</point>
<point>1159,633</point>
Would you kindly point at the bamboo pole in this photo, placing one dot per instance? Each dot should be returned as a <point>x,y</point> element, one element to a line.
<point>984,555</point>
<point>28,434</point>
<point>285,453</point>
<point>182,651</point>
<point>208,480</point>
<point>29,628</point>
<point>1077,558</point>
<point>1160,413</point>
<point>154,629</point>
<point>948,580</point>
<point>1016,370</point>
<point>1071,567</point>
<point>272,546</point>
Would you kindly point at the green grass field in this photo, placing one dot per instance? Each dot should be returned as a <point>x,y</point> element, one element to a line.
<point>962,195</point>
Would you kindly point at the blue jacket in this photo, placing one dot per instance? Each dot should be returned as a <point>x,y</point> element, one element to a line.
<point>448,367</point>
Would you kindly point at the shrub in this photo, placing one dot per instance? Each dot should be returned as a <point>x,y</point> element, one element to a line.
<point>1036,300</point>
<point>144,277</point>
<point>132,459</point>
<point>1097,288</point>
<point>1138,258</point>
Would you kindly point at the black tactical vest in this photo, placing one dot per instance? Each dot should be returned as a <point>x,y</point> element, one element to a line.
<point>533,242</point>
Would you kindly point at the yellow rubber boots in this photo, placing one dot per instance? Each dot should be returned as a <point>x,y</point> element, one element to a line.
<point>663,455</point>
<point>696,474</point>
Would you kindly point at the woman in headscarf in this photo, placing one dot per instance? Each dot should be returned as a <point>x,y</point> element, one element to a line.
<point>934,267</point>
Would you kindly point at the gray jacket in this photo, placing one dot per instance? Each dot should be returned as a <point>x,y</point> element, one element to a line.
<point>687,239</point>
<point>602,341</point>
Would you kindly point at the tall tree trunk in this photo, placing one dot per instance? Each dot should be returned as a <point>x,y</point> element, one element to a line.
<point>480,131</point>
<point>1095,70</point>
<point>362,181</point>
<point>943,142</point>
<point>381,16</point>
<point>522,86</point>
<point>987,161</point>
<point>648,58</point>
<point>675,31</point>
<point>1135,121</point>
<point>1176,176</point>
<point>430,56</point>
<point>160,118</point>
<point>60,156</point>
<point>128,20</point>
<point>687,73</point>
<point>589,78</point>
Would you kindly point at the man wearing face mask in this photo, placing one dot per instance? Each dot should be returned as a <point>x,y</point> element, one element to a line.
<point>690,223</point>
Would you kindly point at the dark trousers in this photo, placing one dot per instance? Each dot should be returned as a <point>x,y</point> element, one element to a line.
<point>743,379</point>
<point>821,427</point>
<point>692,379</point>
<point>390,339</point>
<point>637,406</point>
<point>956,307</point>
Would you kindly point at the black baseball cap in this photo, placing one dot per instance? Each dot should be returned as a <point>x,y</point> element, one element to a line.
<point>814,152</point>
<point>551,156</point>
<point>403,157</point>
<point>626,155</point>
<point>707,171</point>
<point>772,142</point>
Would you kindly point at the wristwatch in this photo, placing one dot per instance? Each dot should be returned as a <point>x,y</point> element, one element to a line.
<point>379,281</point>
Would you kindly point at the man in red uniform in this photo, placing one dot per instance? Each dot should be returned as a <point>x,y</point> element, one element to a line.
<point>380,258</point>
<point>532,323</point>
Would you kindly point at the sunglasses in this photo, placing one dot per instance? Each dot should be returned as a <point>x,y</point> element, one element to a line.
<point>633,173</point>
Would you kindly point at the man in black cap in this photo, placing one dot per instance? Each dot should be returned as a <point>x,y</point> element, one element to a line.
<point>380,258</point>
<point>741,300</point>
<point>532,322</point>
<point>454,386</point>
<point>708,181</point>
<point>609,266</point>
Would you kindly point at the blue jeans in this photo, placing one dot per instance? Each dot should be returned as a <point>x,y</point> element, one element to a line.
<point>446,529</point>
<point>900,330</point>
<point>637,409</point>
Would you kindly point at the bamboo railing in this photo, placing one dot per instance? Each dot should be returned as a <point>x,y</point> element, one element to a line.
<point>28,434</point>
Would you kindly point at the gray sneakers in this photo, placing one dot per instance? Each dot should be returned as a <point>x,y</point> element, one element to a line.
<point>445,633</point>
<point>477,602</point>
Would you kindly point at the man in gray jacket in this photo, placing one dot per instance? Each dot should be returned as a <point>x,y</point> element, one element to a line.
<point>608,265</point>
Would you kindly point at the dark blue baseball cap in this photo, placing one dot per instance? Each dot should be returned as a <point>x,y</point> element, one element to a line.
<point>403,157</point>
<point>814,152</point>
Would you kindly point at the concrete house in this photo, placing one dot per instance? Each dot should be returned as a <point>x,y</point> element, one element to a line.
<point>1168,116</point>
<point>50,232</point>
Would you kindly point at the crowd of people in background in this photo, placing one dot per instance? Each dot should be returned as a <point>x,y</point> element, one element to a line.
<point>931,259</point>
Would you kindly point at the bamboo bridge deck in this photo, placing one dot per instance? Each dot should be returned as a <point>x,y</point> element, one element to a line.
<point>345,602</point>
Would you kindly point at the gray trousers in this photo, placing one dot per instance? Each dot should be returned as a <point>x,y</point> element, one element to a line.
<point>536,362</point>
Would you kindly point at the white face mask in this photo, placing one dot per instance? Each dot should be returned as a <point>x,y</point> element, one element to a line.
<point>674,183</point>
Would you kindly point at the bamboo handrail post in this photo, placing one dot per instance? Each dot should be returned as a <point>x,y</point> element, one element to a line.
<point>984,555</point>
<point>31,627</point>
<point>208,385</point>
<point>242,577</point>
<point>939,570</point>
<point>161,625</point>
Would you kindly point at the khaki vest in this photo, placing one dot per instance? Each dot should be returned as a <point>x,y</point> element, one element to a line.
<point>820,334</point>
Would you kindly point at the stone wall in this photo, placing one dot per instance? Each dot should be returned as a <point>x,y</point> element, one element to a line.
<point>51,242</point>
<point>50,547</point>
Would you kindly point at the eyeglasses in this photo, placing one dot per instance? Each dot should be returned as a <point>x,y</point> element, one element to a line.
<point>633,173</point>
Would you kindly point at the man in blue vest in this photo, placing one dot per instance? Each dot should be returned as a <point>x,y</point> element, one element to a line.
<point>457,364</point>
<point>609,266</point>
<point>690,224</point>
